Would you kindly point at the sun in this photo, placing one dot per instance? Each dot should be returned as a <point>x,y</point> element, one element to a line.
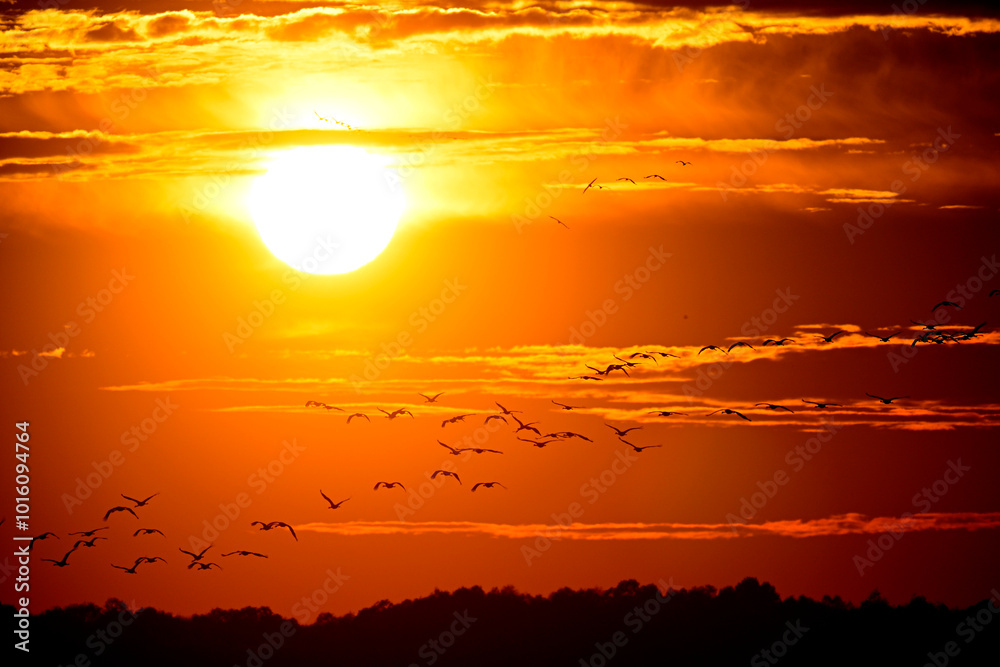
<point>327,209</point>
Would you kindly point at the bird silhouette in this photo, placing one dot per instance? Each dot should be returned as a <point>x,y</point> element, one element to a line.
<point>455,420</point>
<point>61,563</point>
<point>147,531</point>
<point>358,414</point>
<point>446,473</point>
<point>194,556</point>
<point>887,401</point>
<point>772,406</point>
<point>585,377</point>
<point>451,450</point>
<point>771,341</point>
<point>566,435</point>
<point>129,570</point>
<point>712,347</point>
<point>560,222</point>
<point>821,406</point>
<point>537,443</point>
<point>946,303</point>
<point>88,543</point>
<point>521,426</point>
<point>589,185</point>
<point>637,448</point>
<point>656,176</point>
<point>488,485</point>
<point>389,485</point>
<point>727,411</point>
<point>568,407</point>
<point>275,524</point>
<point>626,178</point>
<point>681,163</point>
<point>883,339</point>
<point>43,536</point>
<point>738,344</point>
<point>88,533</point>
<point>140,503</point>
<point>664,413</point>
<point>620,432</point>
<point>244,553</point>
<point>430,399</point>
<point>203,566</point>
<point>120,509</point>
<point>928,327</point>
<point>829,339</point>
<point>489,417</point>
<point>395,413</point>
<point>333,505</point>
<point>148,559</point>
<point>505,411</point>
<point>480,450</point>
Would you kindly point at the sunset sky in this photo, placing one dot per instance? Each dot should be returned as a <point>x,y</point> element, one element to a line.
<point>843,176</point>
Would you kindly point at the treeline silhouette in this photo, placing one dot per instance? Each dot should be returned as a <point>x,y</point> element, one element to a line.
<point>630,624</point>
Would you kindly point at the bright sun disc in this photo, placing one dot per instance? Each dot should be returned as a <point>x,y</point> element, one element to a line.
<point>326,209</point>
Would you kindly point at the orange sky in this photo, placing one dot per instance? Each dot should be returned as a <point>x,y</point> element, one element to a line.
<point>843,176</point>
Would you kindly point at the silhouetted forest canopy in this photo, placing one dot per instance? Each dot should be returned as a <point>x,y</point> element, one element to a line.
<point>630,624</point>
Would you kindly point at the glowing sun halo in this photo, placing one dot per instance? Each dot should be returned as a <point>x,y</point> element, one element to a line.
<point>326,209</point>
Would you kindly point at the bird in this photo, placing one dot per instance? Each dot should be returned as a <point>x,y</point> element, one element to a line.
<point>323,405</point>
<point>447,473</point>
<point>626,178</point>
<point>823,405</point>
<point>566,435</point>
<point>521,426</point>
<point>275,524</point>
<point>681,163</point>
<point>636,447</point>
<point>455,420</point>
<point>620,432</point>
<point>886,338</point>
<point>130,570</point>
<point>727,411</point>
<point>88,543</point>
<point>198,556</point>
<point>488,485</point>
<point>887,401</point>
<point>480,450</point>
<point>395,413</point>
<point>451,450</point>
<point>656,176</point>
<point>88,533</point>
<point>771,341</point>
<point>61,563</point>
<point>320,117</point>
<point>430,399</point>
<point>568,407</point>
<point>358,414</point>
<point>148,559</point>
<point>664,413</point>
<point>643,355</point>
<point>739,343</point>
<point>537,443</point>
<point>505,411</point>
<point>585,377</point>
<point>245,553</point>
<point>139,503</point>
<point>946,303</point>
<point>929,327</point>
<point>120,509</point>
<point>829,339</point>
<point>500,417</point>
<point>560,222</point>
<point>667,354</point>
<point>994,292</point>
<point>147,531</point>
<point>389,485</point>
<point>204,566</point>
<point>589,185</point>
<point>712,347</point>
<point>772,406</point>
<point>43,536</point>
<point>333,505</point>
